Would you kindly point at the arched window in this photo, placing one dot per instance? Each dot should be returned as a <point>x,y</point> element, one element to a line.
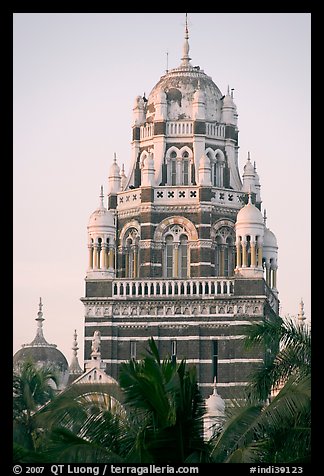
<point>173,168</point>
<point>176,256</point>
<point>224,251</point>
<point>217,162</point>
<point>169,247</point>
<point>185,168</point>
<point>183,256</point>
<point>179,167</point>
<point>131,250</point>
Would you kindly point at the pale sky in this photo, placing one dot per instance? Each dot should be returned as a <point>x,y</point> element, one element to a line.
<point>75,79</point>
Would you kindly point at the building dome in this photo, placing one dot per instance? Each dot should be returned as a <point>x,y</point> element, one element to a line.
<point>249,167</point>
<point>215,404</point>
<point>228,101</point>
<point>114,170</point>
<point>43,353</point>
<point>269,239</point>
<point>101,217</point>
<point>182,86</point>
<point>249,215</point>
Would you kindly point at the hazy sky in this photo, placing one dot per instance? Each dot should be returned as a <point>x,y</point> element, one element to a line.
<point>75,79</point>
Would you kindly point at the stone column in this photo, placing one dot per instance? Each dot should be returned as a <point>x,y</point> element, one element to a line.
<point>126,251</point>
<point>135,271</point>
<point>274,277</point>
<point>253,254</point>
<point>221,260</point>
<point>95,255</point>
<point>231,258</point>
<point>267,267</point>
<point>111,258</point>
<point>179,171</point>
<point>244,254</point>
<point>176,260</point>
<point>102,256</point>
<point>260,256</point>
<point>238,254</point>
<point>90,248</point>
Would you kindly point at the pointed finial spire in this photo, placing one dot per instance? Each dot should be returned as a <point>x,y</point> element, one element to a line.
<point>75,366</point>
<point>186,59</point>
<point>214,386</point>
<point>115,158</point>
<point>101,197</point>
<point>228,93</point>
<point>264,217</point>
<point>250,195</point>
<point>301,315</point>
<point>75,347</point>
<point>167,62</point>
<point>40,319</point>
<point>248,157</point>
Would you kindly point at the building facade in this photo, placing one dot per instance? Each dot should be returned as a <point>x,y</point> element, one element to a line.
<point>181,251</point>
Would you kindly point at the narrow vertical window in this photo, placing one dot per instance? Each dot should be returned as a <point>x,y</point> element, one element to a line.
<point>214,169</point>
<point>174,351</point>
<point>226,261</point>
<point>215,359</point>
<point>185,172</point>
<point>173,172</point>
<point>133,350</point>
<point>169,256</point>
<point>183,257</point>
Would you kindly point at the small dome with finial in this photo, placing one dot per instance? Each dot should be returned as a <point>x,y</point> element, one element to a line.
<point>249,214</point>
<point>101,217</point>
<point>215,404</point>
<point>228,100</point>
<point>248,168</point>
<point>43,353</point>
<point>114,169</point>
<point>269,238</point>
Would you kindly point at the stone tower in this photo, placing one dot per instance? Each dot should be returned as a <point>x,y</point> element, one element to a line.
<point>181,251</point>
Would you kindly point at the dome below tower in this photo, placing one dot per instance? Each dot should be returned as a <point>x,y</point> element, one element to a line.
<point>42,353</point>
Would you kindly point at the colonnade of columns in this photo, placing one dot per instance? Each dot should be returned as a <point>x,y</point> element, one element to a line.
<point>270,273</point>
<point>244,249</point>
<point>101,256</point>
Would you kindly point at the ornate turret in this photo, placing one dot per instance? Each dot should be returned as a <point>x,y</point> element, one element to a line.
<point>249,239</point>
<point>43,353</point>
<point>215,412</point>
<point>114,177</point>
<point>101,241</point>
<point>301,314</point>
<point>270,256</point>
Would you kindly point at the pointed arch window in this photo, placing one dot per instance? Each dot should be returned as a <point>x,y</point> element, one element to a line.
<point>179,168</point>
<point>224,252</point>
<point>176,256</point>
<point>131,251</point>
<point>217,161</point>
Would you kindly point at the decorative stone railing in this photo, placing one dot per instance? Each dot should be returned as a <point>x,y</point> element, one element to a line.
<point>172,287</point>
<point>215,130</point>
<point>128,199</point>
<point>224,196</point>
<point>176,195</point>
<point>146,131</point>
<point>179,128</point>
